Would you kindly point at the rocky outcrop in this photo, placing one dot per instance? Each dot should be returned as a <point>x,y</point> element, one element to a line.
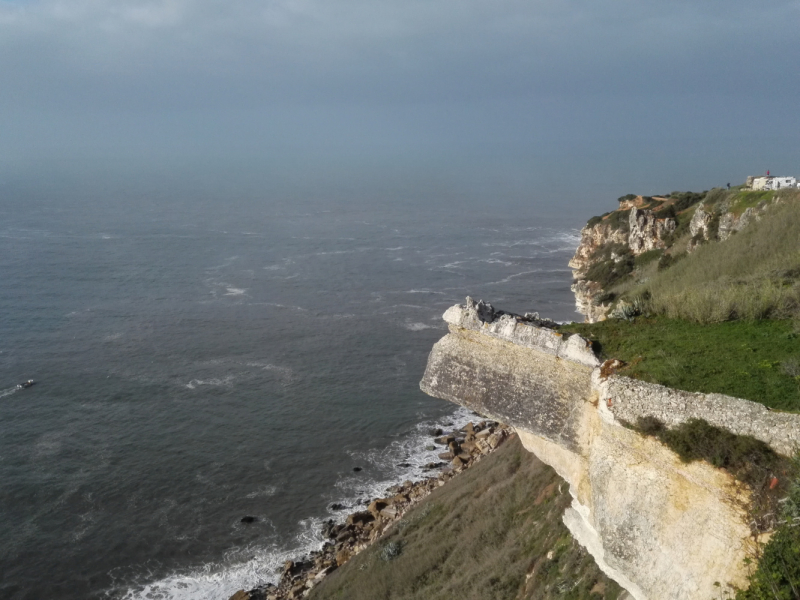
<point>593,238</point>
<point>720,222</point>
<point>730,222</point>
<point>663,529</point>
<point>462,448</point>
<point>700,221</point>
<point>640,232</point>
<point>647,232</point>
<point>586,300</point>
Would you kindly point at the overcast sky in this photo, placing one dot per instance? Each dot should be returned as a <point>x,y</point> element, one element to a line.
<point>656,93</point>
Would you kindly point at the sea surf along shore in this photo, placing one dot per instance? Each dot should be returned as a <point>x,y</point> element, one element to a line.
<point>461,449</point>
<point>195,366</point>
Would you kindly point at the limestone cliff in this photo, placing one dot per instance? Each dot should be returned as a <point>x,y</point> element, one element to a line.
<point>610,244</point>
<point>663,529</point>
<point>631,230</point>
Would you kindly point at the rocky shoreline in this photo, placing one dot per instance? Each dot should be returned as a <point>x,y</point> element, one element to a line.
<point>461,449</point>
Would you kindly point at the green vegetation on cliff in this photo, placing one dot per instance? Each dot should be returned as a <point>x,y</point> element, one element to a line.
<point>717,310</point>
<point>724,318</point>
<point>493,532</point>
<point>754,274</point>
<point>777,574</point>
<point>756,360</point>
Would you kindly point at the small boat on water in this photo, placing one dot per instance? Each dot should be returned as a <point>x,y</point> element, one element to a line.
<point>27,384</point>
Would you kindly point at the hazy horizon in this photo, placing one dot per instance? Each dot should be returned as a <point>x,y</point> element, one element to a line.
<point>573,99</point>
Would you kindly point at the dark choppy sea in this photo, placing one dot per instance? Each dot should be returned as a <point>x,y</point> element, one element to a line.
<point>199,359</point>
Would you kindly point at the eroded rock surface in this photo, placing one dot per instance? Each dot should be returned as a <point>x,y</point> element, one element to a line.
<point>647,232</point>
<point>663,529</point>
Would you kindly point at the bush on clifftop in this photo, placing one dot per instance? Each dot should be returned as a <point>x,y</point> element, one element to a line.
<point>777,575</point>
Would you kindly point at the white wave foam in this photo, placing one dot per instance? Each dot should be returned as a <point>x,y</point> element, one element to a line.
<point>198,382</point>
<point>336,252</point>
<point>263,492</point>
<point>48,445</point>
<point>423,292</point>
<point>389,310</point>
<point>241,569</point>
<point>276,305</point>
<point>285,372</point>
<point>8,391</point>
<point>417,326</point>
<point>232,291</point>
<point>246,568</point>
<point>401,460</point>
<point>514,276</point>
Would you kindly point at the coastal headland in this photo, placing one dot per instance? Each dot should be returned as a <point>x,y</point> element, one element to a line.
<point>673,462</point>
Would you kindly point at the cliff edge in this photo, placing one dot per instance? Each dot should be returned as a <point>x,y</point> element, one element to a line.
<point>624,248</point>
<point>662,528</point>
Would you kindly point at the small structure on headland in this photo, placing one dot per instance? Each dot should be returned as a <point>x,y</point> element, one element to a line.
<point>770,182</point>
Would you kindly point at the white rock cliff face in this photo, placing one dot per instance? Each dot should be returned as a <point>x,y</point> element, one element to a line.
<point>663,529</point>
<point>644,232</point>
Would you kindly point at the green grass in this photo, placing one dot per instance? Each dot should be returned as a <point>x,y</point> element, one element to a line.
<point>746,359</point>
<point>754,274</point>
<point>647,257</point>
<point>741,201</point>
<point>485,535</point>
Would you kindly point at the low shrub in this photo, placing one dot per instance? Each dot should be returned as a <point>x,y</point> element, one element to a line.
<point>620,219</point>
<point>667,260</point>
<point>391,550</point>
<point>777,574</point>
<point>647,257</point>
<point>594,221</point>
<point>684,200</point>
<point>668,212</point>
<point>748,459</point>
<point>609,272</point>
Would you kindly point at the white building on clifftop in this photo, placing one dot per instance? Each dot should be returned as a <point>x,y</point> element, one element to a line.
<point>771,183</point>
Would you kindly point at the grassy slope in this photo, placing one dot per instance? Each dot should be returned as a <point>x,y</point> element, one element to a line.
<point>754,274</point>
<point>723,314</point>
<point>485,535</point>
<point>739,358</point>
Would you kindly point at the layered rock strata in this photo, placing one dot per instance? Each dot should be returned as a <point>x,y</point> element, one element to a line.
<point>663,529</point>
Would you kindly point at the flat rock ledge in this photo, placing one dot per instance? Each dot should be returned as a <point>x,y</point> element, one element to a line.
<point>460,450</point>
<point>528,330</point>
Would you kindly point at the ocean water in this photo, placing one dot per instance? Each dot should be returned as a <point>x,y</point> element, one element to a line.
<point>202,357</point>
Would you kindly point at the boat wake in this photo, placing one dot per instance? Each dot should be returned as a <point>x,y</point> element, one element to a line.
<point>9,391</point>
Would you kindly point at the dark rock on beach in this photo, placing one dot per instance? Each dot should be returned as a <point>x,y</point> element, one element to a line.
<point>362,528</point>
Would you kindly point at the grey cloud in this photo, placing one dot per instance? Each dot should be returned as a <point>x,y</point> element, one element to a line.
<point>507,80</point>
<point>198,52</point>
